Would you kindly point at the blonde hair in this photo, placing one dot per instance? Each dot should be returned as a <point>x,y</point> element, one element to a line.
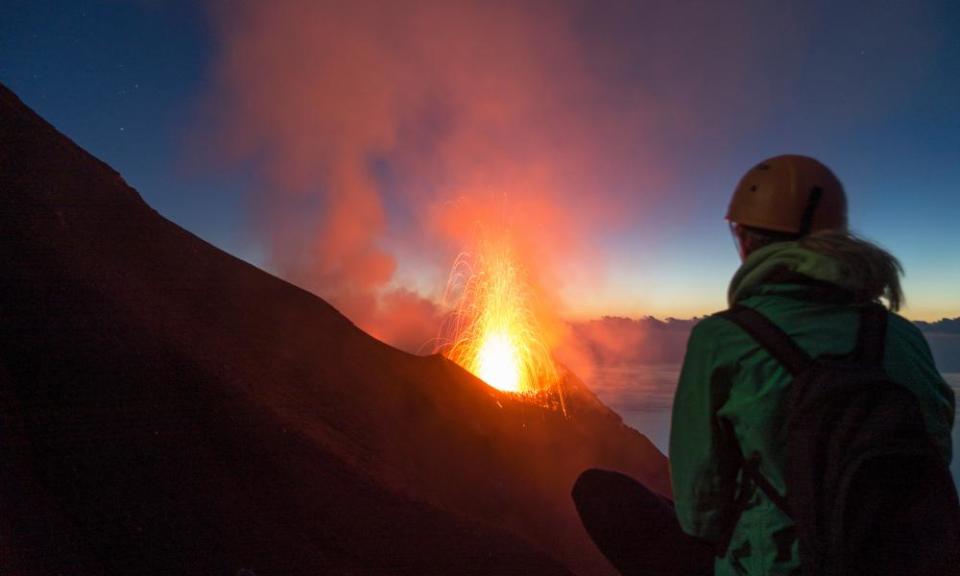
<point>878,270</point>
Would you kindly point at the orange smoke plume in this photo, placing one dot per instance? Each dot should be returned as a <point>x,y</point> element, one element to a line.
<point>384,134</point>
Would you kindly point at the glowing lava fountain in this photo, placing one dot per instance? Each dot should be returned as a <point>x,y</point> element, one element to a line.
<point>493,331</point>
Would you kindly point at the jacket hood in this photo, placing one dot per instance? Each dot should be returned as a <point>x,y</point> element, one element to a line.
<point>847,262</point>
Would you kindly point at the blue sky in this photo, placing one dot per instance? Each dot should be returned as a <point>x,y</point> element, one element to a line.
<point>871,88</point>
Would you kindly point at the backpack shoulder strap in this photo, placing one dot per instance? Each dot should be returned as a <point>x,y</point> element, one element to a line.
<point>783,349</point>
<point>781,346</point>
<point>872,335</point>
<point>751,468</point>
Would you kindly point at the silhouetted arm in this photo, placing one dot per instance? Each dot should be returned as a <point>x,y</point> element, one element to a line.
<point>703,458</point>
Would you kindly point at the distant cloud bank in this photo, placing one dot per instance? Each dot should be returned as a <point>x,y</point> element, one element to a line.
<point>613,340</point>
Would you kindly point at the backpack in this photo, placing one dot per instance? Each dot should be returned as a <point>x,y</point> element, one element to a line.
<point>866,489</point>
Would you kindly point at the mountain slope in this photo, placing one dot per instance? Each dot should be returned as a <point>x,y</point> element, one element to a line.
<point>172,409</point>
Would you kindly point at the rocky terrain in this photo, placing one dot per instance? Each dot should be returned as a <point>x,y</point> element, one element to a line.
<point>166,408</point>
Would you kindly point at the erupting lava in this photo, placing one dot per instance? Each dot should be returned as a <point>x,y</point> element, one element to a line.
<point>493,331</point>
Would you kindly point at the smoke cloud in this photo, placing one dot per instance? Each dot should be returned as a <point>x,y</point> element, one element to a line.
<point>389,136</point>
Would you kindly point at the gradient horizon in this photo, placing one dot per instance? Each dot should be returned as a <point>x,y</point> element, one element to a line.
<point>871,92</point>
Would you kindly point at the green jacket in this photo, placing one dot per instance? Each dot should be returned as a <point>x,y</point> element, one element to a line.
<point>729,383</point>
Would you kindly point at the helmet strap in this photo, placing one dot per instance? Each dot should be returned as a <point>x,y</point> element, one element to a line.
<point>806,221</point>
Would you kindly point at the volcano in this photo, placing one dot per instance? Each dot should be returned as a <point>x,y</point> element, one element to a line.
<point>166,408</point>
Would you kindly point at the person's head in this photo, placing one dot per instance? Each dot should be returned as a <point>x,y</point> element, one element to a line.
<point>796,198</point>
<point>785,198</point>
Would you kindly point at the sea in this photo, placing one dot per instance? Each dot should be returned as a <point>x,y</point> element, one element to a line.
<point>643,396</point>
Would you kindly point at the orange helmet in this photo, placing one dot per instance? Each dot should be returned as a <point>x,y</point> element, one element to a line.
<point>790,194</point>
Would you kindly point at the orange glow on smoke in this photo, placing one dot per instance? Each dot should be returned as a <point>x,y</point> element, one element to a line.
<point>493,331</point>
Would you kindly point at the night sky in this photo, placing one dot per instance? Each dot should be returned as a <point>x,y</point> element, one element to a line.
<point>870,88</point>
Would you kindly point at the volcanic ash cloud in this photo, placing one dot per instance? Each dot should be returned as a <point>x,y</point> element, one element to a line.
<point>389,137</point>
